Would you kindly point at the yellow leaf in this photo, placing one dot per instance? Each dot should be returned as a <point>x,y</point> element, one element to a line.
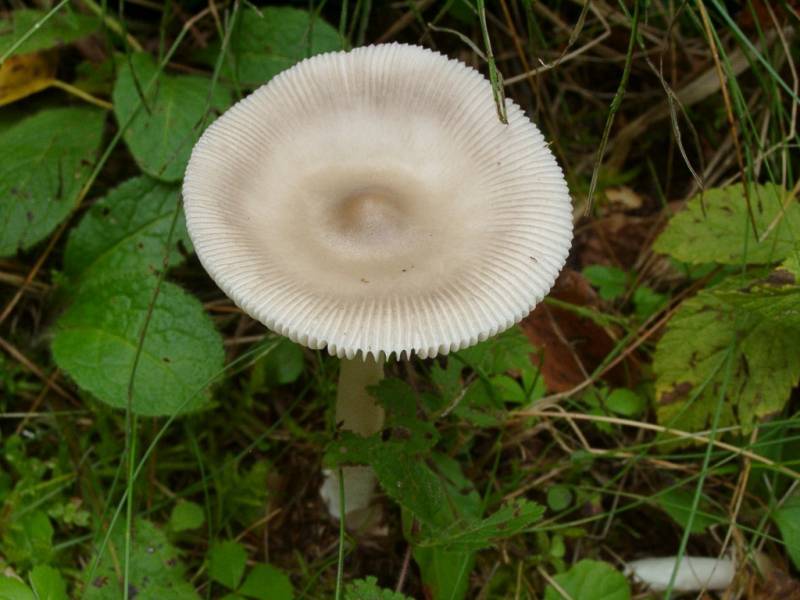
<point>26,74</point>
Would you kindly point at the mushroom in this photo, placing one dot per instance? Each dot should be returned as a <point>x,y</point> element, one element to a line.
<point>371,202</point>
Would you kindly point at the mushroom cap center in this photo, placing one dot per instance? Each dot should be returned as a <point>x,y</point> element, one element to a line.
<point>370,216</point>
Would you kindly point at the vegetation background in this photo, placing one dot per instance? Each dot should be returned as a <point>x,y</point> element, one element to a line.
<point>159,444</point>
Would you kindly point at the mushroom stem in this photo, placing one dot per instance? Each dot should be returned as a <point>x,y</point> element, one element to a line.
<point>356,411</point>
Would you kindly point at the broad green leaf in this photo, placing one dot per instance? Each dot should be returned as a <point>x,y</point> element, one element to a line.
<point>266,41</point>
<point>625,402</point>
<point>12,588</point>
<point>186,516</point>
<point>368,589</point>
<point>611,282</point>
<point>96,339</point>
<point>265,582</point>
<point>28,539</point>
<point>127,230</point>
<point>53,153</point>
<point>590,580</point>
<point>175,111</point>
<point>48,584</point>
<point>226,563</point>
<point>724,233</point>
<point>156,572</point>
<point>705,337</point>
<point>775,297</point>
<point>510,520</point>
<point>62,28</point>
<point>787,518</point>
<point>677,503</point>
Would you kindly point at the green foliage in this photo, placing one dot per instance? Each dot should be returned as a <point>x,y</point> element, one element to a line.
<point>186,516</point>
<point>127,231</point>
<point>48,584</point>
<point>559,497</point>
<point>610,282</point>
<point>787,518</point>
<point>715,227</point>
<point>590,580</point>
<point>226,564</point>
<point>266,41</point>
<point>677,503</point>
<point>28,538</point>
<point>97,337</point>
<point>744,359</point>
<point>13,589</point>
<point>53,152</point>
<point>61,28</point>
<point>156,571</point>
<point>367,589</point>
<point>167,119</point>
<point>280,366</point>
<point>266,582</point>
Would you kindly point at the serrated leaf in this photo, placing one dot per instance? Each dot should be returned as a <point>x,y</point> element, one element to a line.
<point>127,230</point>
<point>775,297</point>
<point>724,234</point>
<point>156,571</point>
<point>368,589</point>
<point>163,131</point>
<point>266,582</point>
<point>509,350</point>
<point>691,357</point>
<point>96,339</point>
<point>226,563</point>
<point>54,151</point>
<point>508,521</point>
<point>590,580</point>
<point>611,282</point>
<point>787,518</point>
<point>61,28</point>
<point>266,41</point>
<point>186,516</point>
<point>48,584</point>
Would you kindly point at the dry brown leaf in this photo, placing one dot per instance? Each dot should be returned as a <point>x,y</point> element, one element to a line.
<point>26,74</point>
<point>573,346</point>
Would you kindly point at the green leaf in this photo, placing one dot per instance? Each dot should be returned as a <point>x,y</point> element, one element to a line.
<point>265,582</point>
<point>677,503</point>
<point>164,129</point>
<point>508,521</point>
<point>48,584</point>
<point>127,231</point>
<point>28,539</point>
<point>590,580</point>
<point>266,41</point>
<point>96,339</point>
<point>226,563</point>
<point>283,364</point>
<point>559,497</point>
<point>775,297</point>
<point>156,573</point>
<point>787,518</point>
<point>186,516</point>
<point>62,28</point>
<point>691,357</point>
<point>367,589</point>
<point>625,402</point>
<point>40,180</point>
<point>647,301</point>
<point>509,350</point>
<point>724,234</point>
<point>12,588</point>
<point>610,282</point>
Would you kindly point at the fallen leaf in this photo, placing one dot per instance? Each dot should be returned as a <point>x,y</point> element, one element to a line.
<point>572,345</point>
<point>624,198</point>
<point>26,74</point>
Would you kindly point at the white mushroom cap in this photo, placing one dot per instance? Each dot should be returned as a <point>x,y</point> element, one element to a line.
<point>371,201</point>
